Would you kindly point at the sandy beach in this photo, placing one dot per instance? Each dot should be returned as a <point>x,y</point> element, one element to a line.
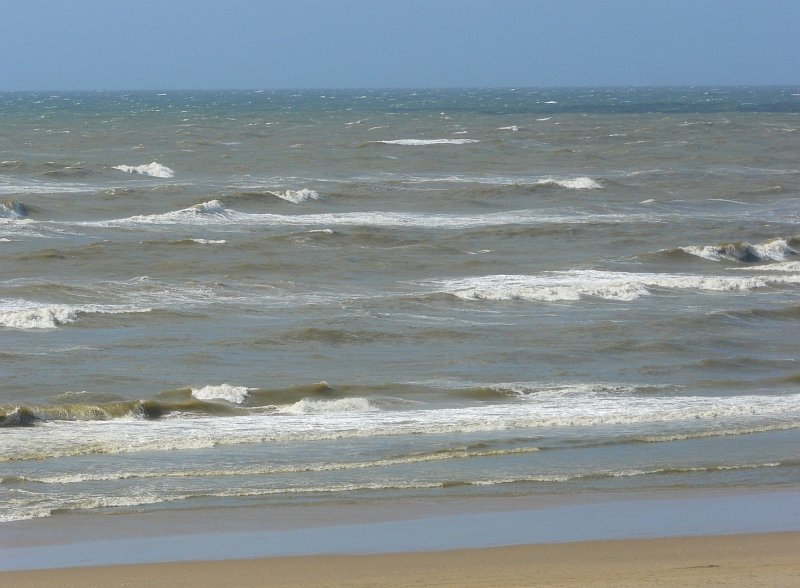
<point>734,560</point>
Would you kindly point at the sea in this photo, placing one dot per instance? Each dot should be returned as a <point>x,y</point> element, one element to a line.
<point>275,299</point>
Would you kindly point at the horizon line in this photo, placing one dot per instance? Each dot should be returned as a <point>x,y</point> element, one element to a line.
<point>409,88</point>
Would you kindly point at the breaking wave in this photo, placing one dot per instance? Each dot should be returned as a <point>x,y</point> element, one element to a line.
<point>577,284</point>
<point>154,170</point>
<point>312,406</point>
<point>214,212</point>
<point>358,418</point>
<point>20,314</point>
<point>297,196</point>
<point>232,394</point>
<point>776,250</point>
<point>582,183</point>
<point>13,209</point>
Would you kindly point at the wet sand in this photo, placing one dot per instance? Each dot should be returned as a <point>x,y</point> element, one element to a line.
<point>769,559</point>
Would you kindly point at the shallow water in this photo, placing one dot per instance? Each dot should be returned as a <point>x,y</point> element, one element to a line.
<point>277,298</point>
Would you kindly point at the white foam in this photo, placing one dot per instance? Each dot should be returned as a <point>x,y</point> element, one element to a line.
<point>512,128</point>
<point>577,284</point>
<point>154,169</point>
<point>422,457</point>
<point>419,142</point>
<point>20,511</point>
<point>233,394</point>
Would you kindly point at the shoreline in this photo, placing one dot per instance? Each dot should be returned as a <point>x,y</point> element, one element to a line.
<point>768,559</point>
<point>82,540</point>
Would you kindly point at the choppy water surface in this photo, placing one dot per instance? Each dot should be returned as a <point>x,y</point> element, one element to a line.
<point>216,299</point>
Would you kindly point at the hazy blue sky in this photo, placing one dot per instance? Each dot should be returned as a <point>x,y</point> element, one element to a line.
<point>168,44</point>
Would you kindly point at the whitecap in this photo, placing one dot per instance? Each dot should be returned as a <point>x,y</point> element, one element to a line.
<point>297,196</point>
<point>418,142</point>
<point>582,183</point>
<point>210,241</point>
<point>154,169</point>
<point>232,394</point>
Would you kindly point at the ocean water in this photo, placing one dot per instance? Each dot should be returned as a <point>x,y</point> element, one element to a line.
<point>263,298</point>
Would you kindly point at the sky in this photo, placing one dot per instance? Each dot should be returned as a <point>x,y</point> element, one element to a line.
<point>268,44</point>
